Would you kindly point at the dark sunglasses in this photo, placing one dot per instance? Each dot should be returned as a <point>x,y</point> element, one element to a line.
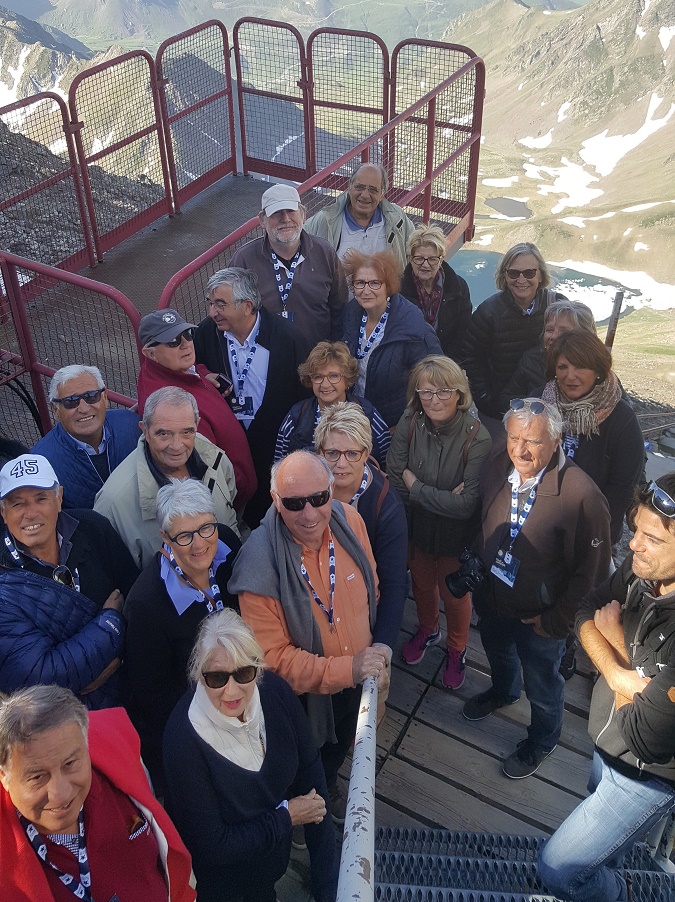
<point>528,273</point>
<point>661,501</point>
<point>520,403</point>
<point>62,575</point>
<point>218,679</point>
<point>318,499</point>
<point>187,334</point>
<point>73,401</point>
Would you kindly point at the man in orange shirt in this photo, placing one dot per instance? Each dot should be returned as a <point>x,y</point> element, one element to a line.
<point>307,586</point>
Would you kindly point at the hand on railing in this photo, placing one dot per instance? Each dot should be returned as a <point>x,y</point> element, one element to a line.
<point>372,661</point>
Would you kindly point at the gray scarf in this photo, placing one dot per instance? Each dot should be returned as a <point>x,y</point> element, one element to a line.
<point>269,564</point>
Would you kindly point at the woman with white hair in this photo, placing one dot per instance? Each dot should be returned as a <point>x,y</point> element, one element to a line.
<point>242,770</point>
<point>184,582</point>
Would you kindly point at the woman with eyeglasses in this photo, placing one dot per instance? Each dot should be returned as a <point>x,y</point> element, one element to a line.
<point>433,286</point>
<point>331,372</point>
<point>169,359</point>
<point>506,324</point>
<point>242,770</point>
<point>184,583</point>
<point>384,332</point>
<point>435,461</point>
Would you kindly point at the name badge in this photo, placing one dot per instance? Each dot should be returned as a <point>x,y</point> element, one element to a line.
<point>505,567</point>
<point>241,407</point>
<point>289,315</point>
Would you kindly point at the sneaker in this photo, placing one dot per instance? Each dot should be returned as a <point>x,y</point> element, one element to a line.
<point>525,760</point>
<point>337,803</point>
<point>298,837</point>
<point>413,650</point>
<point>482,705</point>
<point>568,663</point>
<point>454,672</point>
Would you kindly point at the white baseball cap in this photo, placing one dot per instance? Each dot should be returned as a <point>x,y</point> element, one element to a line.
<point>280,197</point>
<point>27,471</point>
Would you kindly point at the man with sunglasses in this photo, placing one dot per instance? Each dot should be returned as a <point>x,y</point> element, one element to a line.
<point>627,627</point>
<point>88,440</point>
<point>308,588</point>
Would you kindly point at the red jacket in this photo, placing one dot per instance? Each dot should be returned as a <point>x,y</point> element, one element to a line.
<point>116,755</point>
<point>217,422</point>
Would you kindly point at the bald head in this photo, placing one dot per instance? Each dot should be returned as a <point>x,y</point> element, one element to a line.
<point>303,480</point>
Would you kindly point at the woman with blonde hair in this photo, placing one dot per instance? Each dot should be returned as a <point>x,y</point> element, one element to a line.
<point>435,460</point>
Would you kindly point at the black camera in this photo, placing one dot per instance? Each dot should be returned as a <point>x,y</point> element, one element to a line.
<point>470,575</point>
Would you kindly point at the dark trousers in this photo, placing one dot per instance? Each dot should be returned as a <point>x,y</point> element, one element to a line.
<point>345,714</point>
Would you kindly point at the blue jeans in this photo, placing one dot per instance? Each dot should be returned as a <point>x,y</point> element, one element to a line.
<point>510,645</point>
<point>578,861</point>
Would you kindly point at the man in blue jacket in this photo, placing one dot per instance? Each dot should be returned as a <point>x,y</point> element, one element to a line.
<point>88,440</point>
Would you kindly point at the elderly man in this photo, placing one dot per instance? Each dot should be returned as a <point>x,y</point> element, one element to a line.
<point>545,543</point>
<point>259,354</point>
<point>77,816</point>
<point>88,440</point>
<point>169,447</point>
<point>62,581</point>
<point>307,587</point>
<point>300,277</point>
<point>627,627</point>
<point>362,217</point>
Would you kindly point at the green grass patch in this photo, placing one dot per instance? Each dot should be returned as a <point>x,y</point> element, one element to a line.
<point>661,350</point>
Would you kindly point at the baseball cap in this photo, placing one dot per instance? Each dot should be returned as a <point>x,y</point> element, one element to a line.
<point>280,197</point>
<point>162,326</point>
<point>27,471</point>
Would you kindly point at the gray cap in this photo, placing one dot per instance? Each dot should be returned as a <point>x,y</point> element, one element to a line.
<point>162,326</point>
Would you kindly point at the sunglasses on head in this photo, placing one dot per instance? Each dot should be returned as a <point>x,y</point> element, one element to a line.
<point>73,401</point>
<point>515,273</point>
<point>297,503</point>
<point>521,403</point>
<point>187,334</point>
<point>218,679</point>
<point>661,500</point>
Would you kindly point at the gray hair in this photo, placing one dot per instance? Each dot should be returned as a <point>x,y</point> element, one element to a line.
<point>243,282</point>
<point>554,420</point>
<point>525,247</point>
<point>347,418</point>
<point>225,629</point>
<point>380,168</point>
<point>29,712</point>
<point>66,373</point>
<point>580,314</point>
<point>171,395</point>
<point>183,498</point>
<point>308,457</point>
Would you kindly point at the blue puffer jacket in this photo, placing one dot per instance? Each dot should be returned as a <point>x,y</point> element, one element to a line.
<point>52,634</point>
<point>76,472</point>
<point>407,339</point>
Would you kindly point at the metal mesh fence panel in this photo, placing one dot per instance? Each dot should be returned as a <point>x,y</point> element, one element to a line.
<point>41,204</point>
<point>419,67</point>
<point>194,73</point>
<point>16,417</point>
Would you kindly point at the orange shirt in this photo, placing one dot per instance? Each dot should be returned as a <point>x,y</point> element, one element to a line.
<point>304,671</point>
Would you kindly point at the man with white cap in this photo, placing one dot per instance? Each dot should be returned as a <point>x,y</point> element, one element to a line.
<point>299,276</point>
<point>62,576</point>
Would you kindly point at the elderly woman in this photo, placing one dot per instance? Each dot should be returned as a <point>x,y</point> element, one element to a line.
<point>601,433</point>
<point>435,460</point>
<point>331,372</point>
<point>343,437</point>
<point>185,581</point>
<point>507,324</point>
<point>433,286</point>
<point>242,771</point>
<point>385,332</point>
<point>75,803</point>
<point>169,359</point>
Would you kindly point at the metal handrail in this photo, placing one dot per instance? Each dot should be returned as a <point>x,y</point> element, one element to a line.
<point>357,863</point>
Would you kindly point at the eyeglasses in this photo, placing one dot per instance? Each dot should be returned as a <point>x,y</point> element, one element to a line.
<point>528,273</point>
<point>62,575</point>
<point>187,334</point>
<point>537,407</point>
<point>333,378</point>
<point>297,503</point>
<point>73,401</point>
<point>661,500</point>
<point>332,455</point>
<point>443,394</point>
<point>433,261</point>
<point>218,679</point>
<point>185,538</point>
<point>361,284</point>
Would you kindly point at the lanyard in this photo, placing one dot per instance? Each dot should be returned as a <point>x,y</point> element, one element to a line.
<point>331,579</point>
<point>517,522</point>
<point>241,376</point>
<point>81,888</point>
<point>11,547</point>
<point>364,485</point>
<point>215,589</point>
<point>363,349</point>
<point>285,291</point>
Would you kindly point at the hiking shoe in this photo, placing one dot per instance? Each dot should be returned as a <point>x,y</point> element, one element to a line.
<point>454,672</point>
<point>298,837</point>
<point>482,705</point>
<point>568,663</point>
<point>525,760</point>
<point>337,803</point>
<point>413,650</point>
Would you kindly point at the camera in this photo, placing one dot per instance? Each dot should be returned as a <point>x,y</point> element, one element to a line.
<point>470,575</point>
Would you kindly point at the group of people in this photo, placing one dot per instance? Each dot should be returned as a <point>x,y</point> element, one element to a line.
<point>230,561</point>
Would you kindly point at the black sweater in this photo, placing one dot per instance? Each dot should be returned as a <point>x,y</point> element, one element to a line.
<point>454,313</point>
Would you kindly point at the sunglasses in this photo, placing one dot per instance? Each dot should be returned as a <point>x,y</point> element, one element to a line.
<point>661,501</point>
<point>187,334</point>
<point>62,575</point>
<point>73,401</point>
<point>521,403</point>
<point>218,679</point>
<point>419,260</point>
<point>318,499</point>
<point>528,273</point>
<point>185,538</point>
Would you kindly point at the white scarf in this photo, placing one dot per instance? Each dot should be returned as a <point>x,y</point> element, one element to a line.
<point>241,742</point>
